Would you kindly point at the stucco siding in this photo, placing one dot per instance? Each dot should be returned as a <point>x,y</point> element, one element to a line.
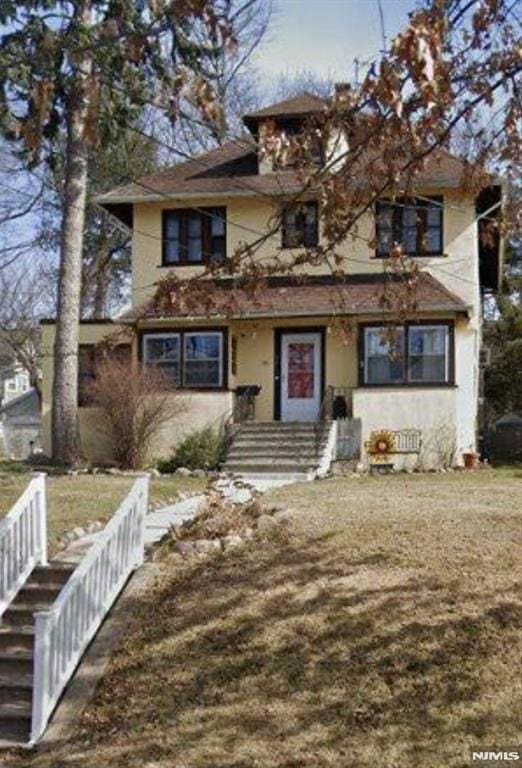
<point>432,410</point>
<point>256,357</point>
<point>194,409</point>
<point>248,218</point>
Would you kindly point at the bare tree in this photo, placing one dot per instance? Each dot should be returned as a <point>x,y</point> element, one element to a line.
<point>24,299</point>
<point>136,403</point>
<point>234,78</point>
<point>77,73</point>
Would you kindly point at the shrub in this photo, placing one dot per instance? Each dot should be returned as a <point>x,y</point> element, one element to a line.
<point>202,449</point>
<point>136,401</point>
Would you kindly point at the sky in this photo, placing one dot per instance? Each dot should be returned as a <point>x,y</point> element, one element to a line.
<point>327,35</point>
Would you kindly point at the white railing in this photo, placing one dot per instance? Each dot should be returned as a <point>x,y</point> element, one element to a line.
<point>329,451</point>
<point>23,540</point>
<point>63,632</point>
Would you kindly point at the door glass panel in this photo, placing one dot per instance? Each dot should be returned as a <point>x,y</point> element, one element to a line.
<point>301,370</point>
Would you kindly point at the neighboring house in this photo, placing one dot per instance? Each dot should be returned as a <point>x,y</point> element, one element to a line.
<point>20,425</point>
<point>14,381</point>
<point>290,342</point>
<point>20,418</point>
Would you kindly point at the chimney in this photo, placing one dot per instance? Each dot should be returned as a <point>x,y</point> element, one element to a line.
<point>342,89</point>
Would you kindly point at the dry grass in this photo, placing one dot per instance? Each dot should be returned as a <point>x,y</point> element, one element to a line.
<point>82,499</point>
<point>386,632</point>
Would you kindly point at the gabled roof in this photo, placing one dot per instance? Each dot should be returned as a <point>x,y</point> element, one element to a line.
<point>356,295</point>
<point>232,170</point>
<point>298,106</point>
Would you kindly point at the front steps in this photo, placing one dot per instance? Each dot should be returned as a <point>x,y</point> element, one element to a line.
<point>277,448</point>
<point>16,649</point>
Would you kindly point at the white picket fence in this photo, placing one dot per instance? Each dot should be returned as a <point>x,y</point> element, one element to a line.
<point>63,632</point>
<point>23,540</point>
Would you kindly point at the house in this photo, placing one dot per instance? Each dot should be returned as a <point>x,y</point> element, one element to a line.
<point>20,425</point>
<point>19,411</point>
<point>284,357</point>
<point>14,381</point>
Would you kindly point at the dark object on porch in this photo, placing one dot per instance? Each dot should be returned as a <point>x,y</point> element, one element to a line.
<point>506,439</point>
<point>336,403</point>
<point>340,408</point>
<point>245,402</point>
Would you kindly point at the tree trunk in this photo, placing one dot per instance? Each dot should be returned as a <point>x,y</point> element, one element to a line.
<point>65,434</point>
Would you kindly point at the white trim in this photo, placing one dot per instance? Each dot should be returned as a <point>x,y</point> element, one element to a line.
<point>329,453</point>
<point>65,629</point>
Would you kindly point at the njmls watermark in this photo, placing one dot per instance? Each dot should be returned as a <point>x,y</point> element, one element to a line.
<point>496,756</point>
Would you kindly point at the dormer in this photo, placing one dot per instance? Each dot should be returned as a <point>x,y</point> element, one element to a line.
<point>286,119</point>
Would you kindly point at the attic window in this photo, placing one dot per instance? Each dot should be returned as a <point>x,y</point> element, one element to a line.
<point>300,226</point>
<point>194,236</point>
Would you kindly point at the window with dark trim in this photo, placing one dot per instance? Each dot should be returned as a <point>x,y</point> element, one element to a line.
<point>300,225</point>
<point>189,358</point>
<point>416,354</point>
<point>194,236</point>
<point>415,224</point>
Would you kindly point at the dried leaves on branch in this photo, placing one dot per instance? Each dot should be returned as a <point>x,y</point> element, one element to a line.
<point>453,73</point>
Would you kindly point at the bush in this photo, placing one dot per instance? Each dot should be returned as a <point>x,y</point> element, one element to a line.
<point>202,449</point>
<point>136,401</point>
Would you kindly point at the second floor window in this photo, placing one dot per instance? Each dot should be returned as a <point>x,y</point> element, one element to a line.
<point>194,236</point>
<point>415,224</point>
<point>300,226</point>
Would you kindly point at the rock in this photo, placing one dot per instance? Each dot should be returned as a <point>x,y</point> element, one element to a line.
<point>185,548</point>
<point>154,472</point>
<point>248,533</point>
<point>232,541</point>
<point>207,545</point>
<point>359,467</point>
<point>78,532</point>
<point>182,495</point>
<point>282,515</point>
<point>266,524</point>
<point>255,509</point>
<point>183,472</point>
<point>199,473</point>
<point>113,471</point>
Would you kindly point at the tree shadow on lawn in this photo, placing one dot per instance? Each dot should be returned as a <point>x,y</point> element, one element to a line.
<point>276,657</point>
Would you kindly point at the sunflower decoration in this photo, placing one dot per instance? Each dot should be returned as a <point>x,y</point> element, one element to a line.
<point>381,444</point>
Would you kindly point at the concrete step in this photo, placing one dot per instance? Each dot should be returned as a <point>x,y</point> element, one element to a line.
<point>16,663</point>
<point>16,639</point>
<point>15,720</point>
<point>281,429</point>
<point>16,692</point>
<point>10,679</point>
<point>237,454</point>
<point>22,614</point>
<point>263,466</point>
<point>276,438</point>
<point>54,573</point>
<point>38,593</point>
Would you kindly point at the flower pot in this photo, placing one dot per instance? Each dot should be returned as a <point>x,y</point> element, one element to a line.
<point>471,459</point>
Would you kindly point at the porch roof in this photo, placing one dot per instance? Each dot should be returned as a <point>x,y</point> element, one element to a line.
<point>308,297</point>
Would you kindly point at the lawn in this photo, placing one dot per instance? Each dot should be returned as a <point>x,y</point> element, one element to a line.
<point>384,630</point>
<point>76,500</point>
